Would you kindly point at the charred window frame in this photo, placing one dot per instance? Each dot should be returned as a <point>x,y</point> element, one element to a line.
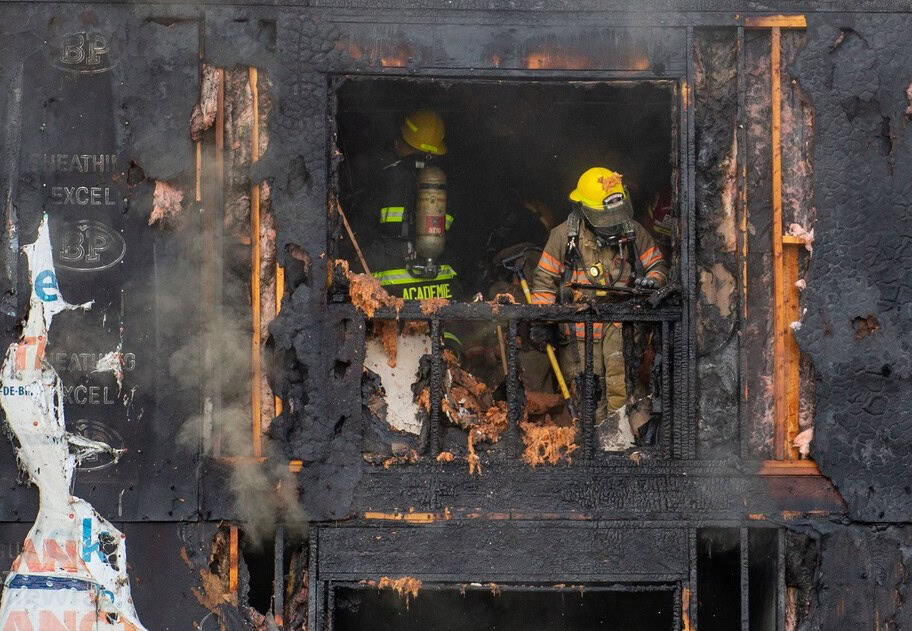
<point>672,320</point>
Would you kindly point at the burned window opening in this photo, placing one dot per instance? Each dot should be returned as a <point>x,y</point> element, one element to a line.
<point>719,578</point>
<point>644,607</point>
<point>259,558</point>
<point>506,210</point>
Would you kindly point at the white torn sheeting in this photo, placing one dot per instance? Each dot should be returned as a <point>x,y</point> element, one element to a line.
<point>401,409</point>
<point>806,236</point>
<point>72,571</point>
<point>86,448</point>
<point>801,284</point>
<point>112,362</point>
<point>616,438</point>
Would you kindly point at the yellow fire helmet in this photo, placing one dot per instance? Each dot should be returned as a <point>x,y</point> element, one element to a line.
<point>599,187</point>
<point>424,131</point>
<point>602,196</point>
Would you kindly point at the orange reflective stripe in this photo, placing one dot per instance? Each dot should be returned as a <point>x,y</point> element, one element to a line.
<point>543,297</point>
<point>580,330</point>
<point>549,264</point>
<point>651,256</point>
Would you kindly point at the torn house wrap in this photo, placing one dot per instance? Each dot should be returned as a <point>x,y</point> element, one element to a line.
<point>72,570</point>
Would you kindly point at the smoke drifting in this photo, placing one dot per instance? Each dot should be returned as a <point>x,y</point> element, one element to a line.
<point>265,491</point>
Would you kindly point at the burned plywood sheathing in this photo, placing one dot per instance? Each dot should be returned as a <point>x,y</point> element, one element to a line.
<point>716,106</point>
<point>757,294</point>
<point>850,69</point>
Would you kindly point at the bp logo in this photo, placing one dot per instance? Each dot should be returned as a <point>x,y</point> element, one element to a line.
<point>88,246</point>
<point>85,52</point>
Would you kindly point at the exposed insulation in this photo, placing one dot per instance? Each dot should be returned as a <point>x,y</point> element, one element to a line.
<point>547,444</point>
<point>407,586</point>
<point>166,206</point>
<point>213,591</point>
<point>367,295</point>
<point>203,115</point>
<point>409,458</point>
<point>490,430</point>
<point>423,400</point>
<point>387,331</point>
<point>804,235</point>
<point>432,305</point>
<point>468,404</point>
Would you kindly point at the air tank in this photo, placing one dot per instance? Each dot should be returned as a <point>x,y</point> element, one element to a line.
<point>430,213</point>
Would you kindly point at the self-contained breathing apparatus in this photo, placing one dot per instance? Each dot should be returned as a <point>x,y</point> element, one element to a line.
<point>620,236</point>
<point>425,229</point>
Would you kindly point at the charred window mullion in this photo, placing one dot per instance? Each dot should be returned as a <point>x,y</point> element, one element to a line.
<point>590,400</point>
<point>667,412</point>
<point>515,401</point>
<point>436,387</point>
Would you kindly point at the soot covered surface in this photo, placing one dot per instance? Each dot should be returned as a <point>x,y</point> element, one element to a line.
<point>855,70</point>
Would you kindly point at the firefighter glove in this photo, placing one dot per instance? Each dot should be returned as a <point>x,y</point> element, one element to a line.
<point>646,283</point>
<point>540,335</point>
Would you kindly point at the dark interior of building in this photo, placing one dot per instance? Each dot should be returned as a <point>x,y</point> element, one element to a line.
<point>450,609</point>
<point>514,151</point>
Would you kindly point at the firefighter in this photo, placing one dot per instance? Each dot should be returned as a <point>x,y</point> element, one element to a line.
<point>602,246</point>
<point>409,202</point>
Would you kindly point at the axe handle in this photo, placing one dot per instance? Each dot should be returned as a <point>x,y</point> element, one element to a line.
<point>549,350</point>
<point>503,350</point>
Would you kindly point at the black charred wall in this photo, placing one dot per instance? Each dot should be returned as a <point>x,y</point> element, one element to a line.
<point>854,69</point>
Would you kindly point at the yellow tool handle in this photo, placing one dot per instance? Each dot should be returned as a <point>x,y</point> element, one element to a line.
<point>525,288</point>
<point>557,372</point>
<point>548,348</point>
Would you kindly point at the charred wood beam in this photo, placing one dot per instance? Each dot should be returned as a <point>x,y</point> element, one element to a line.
<point>562,313</point>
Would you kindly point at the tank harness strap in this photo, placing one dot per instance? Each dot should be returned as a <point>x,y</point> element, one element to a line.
<point>572,258</point>
<point>639,272</point>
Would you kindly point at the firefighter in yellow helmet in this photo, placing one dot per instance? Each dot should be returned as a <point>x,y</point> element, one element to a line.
<point>600,244</point>
<point>404,255</point>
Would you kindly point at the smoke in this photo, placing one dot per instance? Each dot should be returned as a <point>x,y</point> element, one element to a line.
<point>217,360</point>
<point>265,491</point>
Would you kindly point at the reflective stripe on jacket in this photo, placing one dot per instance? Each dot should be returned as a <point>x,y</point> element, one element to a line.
<point>615,270</point>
